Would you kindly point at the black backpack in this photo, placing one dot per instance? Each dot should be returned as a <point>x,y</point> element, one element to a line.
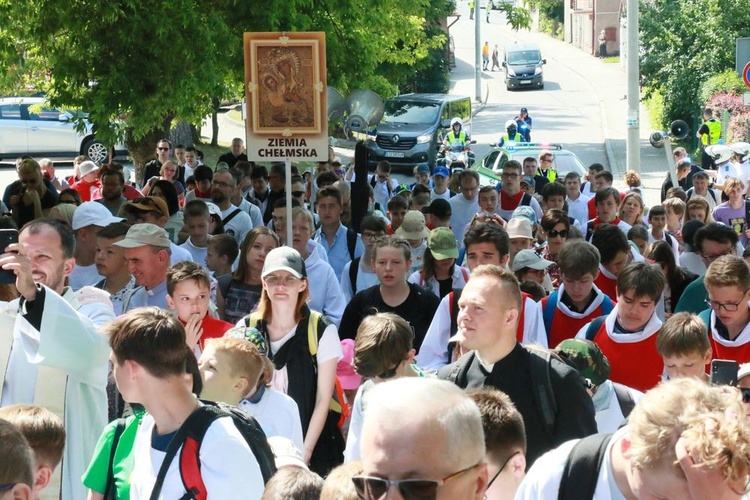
<point>582,466</point>
<point>191,434</point>
<point>353,272</point>
<point>351,242</point>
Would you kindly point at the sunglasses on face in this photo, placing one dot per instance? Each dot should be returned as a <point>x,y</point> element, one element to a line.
<point>745,395</point>
<point>297,194</point>
<point>374,488</point>
<point>554,234</point>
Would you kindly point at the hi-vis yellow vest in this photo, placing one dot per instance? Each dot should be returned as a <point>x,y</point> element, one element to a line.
<point>714,132</point>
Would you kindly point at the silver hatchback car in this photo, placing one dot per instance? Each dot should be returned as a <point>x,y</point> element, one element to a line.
<point>29,125</point>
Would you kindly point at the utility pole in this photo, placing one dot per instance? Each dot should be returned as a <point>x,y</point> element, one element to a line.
<point>477,52</point>
<point>633,159</point>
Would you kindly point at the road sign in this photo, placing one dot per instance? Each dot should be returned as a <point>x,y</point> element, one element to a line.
<point>746,98</point>
<point>746,74</point>
<point>285,85</point>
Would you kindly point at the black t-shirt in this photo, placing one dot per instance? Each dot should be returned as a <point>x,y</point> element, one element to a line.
<point>446,286</point>
<point>232,160</point>
<point>26,212</point>
<point>151,169</point>
<point>418,309</point>
<point>575,417</point>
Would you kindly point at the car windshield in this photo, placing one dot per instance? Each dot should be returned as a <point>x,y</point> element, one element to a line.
<point>524,57</point>
<point>411,112</point>
<point>563,163</point>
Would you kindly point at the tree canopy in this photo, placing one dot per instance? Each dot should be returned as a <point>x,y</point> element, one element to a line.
<point>137,66</point>
<point>683,43</point>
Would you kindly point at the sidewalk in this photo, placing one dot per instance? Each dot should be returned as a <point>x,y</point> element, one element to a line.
<point>607,81</point>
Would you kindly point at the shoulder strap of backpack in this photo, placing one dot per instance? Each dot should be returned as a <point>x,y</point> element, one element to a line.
<point>627,403</point>
<point>607,305</point>
<point>542,384</point>
<point>594,327</point>
<point>548,313</point>
<point>460,368</point>
<point>589,230</point>
<point>189,436</point>
<point>351,242</point>
<point>713,194</point>
<point>465,274</point>
<point>526,199</point>
<point>109,491</point>
<point>373,181</point>
<point>455,295</point>
<point>582,467</point>
<point>353,272</point>
<point>231,216</point>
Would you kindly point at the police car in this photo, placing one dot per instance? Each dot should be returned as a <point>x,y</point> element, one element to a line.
<point>490,167</point>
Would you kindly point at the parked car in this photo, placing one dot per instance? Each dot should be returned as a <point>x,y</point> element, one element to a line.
<point>490,167</point>
<point>523,66</point>
<point>29,125</point>
<point>414,125</point>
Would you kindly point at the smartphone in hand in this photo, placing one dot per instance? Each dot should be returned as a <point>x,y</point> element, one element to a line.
<point>7,236</point>
<point>724,372</point>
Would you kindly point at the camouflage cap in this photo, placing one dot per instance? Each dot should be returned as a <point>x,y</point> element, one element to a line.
<point>586,356</point>
<point>251,335</point>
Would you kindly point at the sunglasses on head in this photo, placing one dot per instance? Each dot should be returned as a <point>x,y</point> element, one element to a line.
<point>374,488</point>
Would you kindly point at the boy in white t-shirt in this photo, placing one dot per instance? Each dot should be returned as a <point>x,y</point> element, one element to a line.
<point>197,221</point>
<point>236,372</point>
<point>148,358</point>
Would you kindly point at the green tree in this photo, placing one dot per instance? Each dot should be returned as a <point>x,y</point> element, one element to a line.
<point>685,42</point>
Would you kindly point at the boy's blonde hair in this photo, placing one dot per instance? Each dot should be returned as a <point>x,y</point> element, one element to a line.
<point>710,417</point>
<point>683,334</point>
<point>728,270</point>
<point>675,205</point>
<point>338,484</point>
<point>43,430</point>
<point>245,360</point>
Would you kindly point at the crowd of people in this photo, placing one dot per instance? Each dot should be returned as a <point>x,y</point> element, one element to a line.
<point>550,335</point>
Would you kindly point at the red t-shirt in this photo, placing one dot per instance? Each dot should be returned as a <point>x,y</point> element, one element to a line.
<point>85,189</point>
<point>592,205</point>
<point>510,202</point>
<point>739,353</point>
<point>565,327</point>
<point>607,285</point>
<point>212,329</point>
<point>635,364</point>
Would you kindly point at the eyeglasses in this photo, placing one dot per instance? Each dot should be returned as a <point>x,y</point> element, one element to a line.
<point>508,175</point>
<point>277,281</point>
<point>501,469</point>
<point>745,395</point>
<point>297,194</point>
<point>372,488</point>
<point>221,184</point>
<point>728,306</point>
<point>371,236</point>
<point>162,149</point>
<point>554,234</point>
<point>712,257</point>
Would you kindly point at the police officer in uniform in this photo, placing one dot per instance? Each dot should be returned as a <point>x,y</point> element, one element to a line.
<point>709,133</point>
<point>511,133</point>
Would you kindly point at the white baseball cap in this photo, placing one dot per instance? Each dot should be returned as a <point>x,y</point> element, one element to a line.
<point>93,213</point>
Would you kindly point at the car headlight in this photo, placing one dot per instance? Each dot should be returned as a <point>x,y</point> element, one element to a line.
<point>511,72</point>
<point>538,70</point>
<point>424,138</point>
